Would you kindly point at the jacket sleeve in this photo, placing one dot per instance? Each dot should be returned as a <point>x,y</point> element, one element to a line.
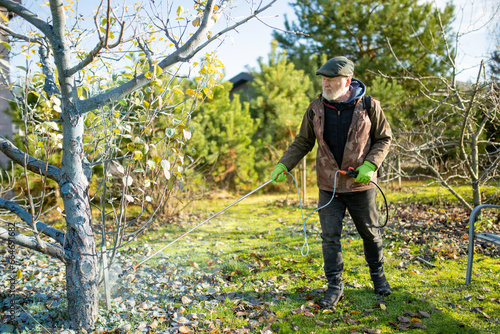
<point>302,144</point>
<point>381,135</point>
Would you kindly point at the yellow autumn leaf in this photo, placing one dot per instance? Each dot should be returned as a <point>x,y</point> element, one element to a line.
<point>180,10</point>
<point>157,70</point>
<point>208,93</point>
<point>178,91</point>
<point>6,20</point>
<point>19,274</point>
<point>137,155</point>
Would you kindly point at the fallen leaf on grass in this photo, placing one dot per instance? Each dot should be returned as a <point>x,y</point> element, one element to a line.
<point>425,314</point>
<point>308,314</point>
<point>353,321</point>
<point>419,325</point>
<point>184,329</point>
<point>403,325</point>
<point>479,310</point>
<point>371,330</point>
<point>403,319</point>
<point>411,314</point>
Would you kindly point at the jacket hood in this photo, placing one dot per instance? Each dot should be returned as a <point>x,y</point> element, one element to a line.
<point>358,89</point>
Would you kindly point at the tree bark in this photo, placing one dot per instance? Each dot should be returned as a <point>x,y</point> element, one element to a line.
<point>81,269</point>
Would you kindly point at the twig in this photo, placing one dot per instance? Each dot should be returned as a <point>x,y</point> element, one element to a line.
<point>425,261</point>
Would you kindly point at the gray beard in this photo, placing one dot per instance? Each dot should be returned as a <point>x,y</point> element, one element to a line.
<point>331,95</point>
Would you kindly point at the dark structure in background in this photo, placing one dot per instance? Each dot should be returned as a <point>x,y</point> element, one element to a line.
<point>240,84</point>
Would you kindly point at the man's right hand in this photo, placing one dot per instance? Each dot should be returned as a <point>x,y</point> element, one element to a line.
<point>279,173</point>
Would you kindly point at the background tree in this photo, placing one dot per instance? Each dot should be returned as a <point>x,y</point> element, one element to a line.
<point>225,149</point>
<point>279,99</point>
<point>455,141</point>
<point>370,33</point>
<point>495,66</point>
<point>78,106</point>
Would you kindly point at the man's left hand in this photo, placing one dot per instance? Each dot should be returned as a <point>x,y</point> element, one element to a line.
<point>365,172</point>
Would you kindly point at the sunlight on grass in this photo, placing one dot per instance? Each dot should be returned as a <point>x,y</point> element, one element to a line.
<point>256,246</point>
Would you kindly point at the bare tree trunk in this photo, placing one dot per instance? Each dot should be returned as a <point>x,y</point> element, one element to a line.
<point>81,269</point>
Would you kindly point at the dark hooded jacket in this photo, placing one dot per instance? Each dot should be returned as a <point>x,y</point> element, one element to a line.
<point>346,137</point>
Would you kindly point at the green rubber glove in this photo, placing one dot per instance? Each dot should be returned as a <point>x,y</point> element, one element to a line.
<point>277,175</point>
<point>365,172</point>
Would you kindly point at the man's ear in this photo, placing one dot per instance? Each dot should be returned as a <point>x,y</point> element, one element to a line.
<point>348,81</point>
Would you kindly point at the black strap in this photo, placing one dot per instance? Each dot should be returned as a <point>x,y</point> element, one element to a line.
<point>367,104</point>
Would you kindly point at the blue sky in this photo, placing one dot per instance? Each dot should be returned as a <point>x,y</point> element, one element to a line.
<point>252,40</point>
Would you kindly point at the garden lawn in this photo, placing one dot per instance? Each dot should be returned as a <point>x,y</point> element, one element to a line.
<point>244,272</point>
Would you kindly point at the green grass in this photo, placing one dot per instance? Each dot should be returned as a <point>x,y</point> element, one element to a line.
<point>431,192</point>
<point>257,246</point>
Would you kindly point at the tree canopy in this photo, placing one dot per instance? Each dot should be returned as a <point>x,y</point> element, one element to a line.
<point>391,37</point>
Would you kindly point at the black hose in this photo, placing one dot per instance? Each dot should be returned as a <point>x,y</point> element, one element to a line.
<point>386,206</point>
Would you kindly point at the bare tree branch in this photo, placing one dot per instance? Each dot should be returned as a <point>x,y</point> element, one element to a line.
<point>30,242</point>
<point>182,54</point>
<point>50,86</point>
<point>35,165</point>
<point>14,34</point>
<point>91,56</point>
<point>28,219</point>
<point>27,15</point>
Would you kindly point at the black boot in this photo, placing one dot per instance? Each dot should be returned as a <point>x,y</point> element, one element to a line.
<point>380,283</point>
<point>333,295</point>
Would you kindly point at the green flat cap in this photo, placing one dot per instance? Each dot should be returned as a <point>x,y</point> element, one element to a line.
<point>337,67</point>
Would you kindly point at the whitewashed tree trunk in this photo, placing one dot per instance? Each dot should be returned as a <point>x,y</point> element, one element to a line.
<point>81,268</point>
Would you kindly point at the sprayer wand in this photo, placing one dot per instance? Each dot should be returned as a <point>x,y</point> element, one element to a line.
<point>135,266</point>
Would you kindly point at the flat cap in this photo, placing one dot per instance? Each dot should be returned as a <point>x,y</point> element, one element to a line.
<point>337,67</point>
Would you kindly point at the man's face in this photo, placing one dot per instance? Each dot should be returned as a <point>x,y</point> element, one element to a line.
<point>333,88</point>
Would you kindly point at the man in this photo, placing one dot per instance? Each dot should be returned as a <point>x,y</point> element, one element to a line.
<point>347,137</point>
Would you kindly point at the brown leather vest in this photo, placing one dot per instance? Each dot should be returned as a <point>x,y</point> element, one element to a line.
<point>356,149</point>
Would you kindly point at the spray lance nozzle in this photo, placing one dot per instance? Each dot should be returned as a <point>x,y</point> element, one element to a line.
<point>351,172</point>
<point>133,268</point>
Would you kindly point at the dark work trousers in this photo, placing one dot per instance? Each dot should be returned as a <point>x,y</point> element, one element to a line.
<point>363,210</point>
